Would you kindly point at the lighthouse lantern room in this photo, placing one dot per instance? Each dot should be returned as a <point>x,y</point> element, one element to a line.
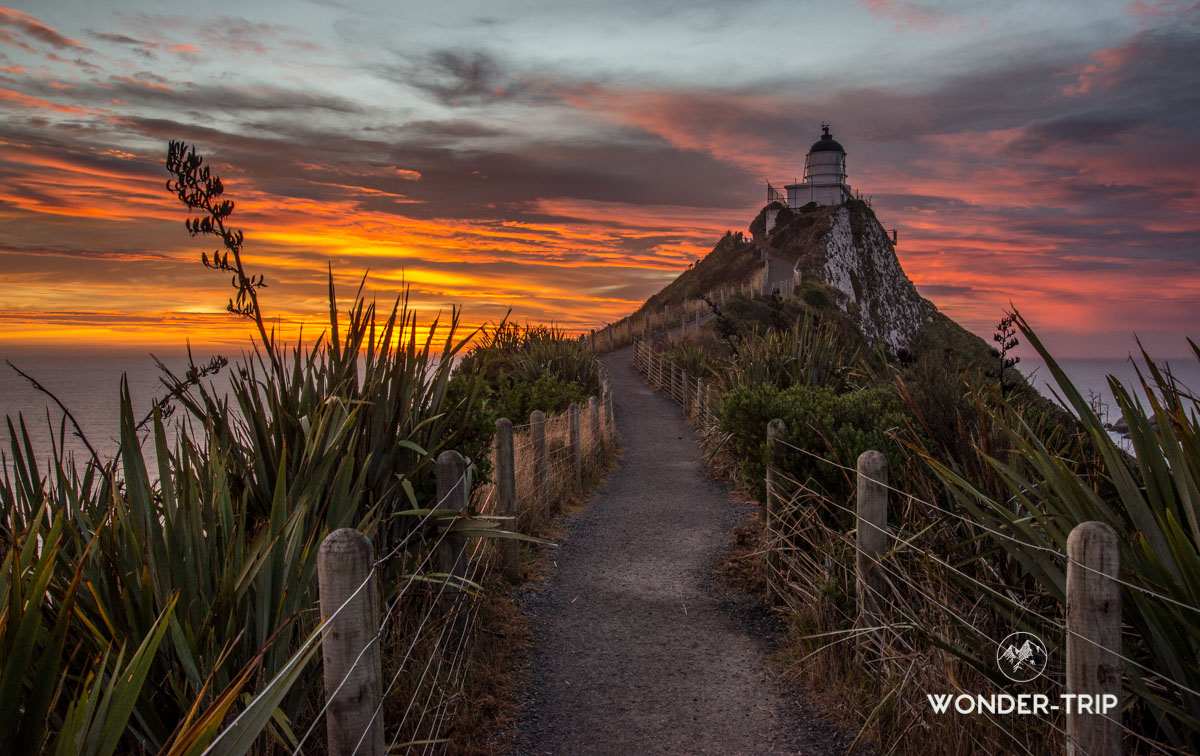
<point>824,175</point>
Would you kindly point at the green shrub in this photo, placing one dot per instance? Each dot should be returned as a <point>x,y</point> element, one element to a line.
<point>549,393</point>
<point>833,426</point>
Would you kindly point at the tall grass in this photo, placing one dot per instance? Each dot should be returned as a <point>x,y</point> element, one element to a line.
<point>1150,499</point>
<point>523,354</point>
<point>143,603</point>
<point>808,353</point>
<point>989,486</point>
<point>146,604</point>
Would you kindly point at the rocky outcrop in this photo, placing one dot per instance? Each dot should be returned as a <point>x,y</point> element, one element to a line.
<point>846,247</point>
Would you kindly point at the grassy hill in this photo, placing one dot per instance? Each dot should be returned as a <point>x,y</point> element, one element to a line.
<point>733,260</point>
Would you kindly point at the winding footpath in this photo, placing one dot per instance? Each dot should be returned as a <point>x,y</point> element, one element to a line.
<point>636,648</point>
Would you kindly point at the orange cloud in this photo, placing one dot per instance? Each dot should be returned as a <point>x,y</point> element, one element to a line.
<point>1101,70</point>
<point>18,98</point>
<point>34,28</point>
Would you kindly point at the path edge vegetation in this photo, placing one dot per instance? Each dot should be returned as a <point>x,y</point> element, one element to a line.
<point>996,452</point>
<point>147,600</point>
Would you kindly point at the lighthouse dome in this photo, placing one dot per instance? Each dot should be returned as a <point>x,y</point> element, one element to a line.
<point>826,143</point>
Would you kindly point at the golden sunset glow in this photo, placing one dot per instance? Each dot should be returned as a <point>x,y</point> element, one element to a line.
<point>478,174</point>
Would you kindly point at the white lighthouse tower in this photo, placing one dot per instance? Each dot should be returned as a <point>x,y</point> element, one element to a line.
<point>824,175</point>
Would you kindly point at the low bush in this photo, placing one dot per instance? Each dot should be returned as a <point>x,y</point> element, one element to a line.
<point>548,393</point>
<point>526,368</point>
<point>836,426</point>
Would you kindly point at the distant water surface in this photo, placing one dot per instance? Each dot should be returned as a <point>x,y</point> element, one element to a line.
<point>1089,374</point>
<point>89,385</point>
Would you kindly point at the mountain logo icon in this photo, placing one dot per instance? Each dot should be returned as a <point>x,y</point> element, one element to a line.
<point>1021,657</point>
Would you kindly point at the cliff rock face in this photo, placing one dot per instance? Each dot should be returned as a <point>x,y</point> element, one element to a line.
<point>847,248</point>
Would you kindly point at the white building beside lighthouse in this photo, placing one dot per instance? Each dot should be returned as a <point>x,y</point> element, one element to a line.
<point>824,175</point>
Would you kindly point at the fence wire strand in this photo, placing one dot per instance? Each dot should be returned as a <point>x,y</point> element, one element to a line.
<point>661,372</point>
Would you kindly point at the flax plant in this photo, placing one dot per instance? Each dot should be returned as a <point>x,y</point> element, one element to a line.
<point>807,353</point>
<point>1150,498</point>
<point>149,606</point>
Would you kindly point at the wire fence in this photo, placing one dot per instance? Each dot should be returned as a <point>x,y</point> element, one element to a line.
<point>399,679</point>
<point>924,614</point>
<point>689,314</point>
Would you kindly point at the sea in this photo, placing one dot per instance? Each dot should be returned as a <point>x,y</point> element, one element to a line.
<point>88,384</point>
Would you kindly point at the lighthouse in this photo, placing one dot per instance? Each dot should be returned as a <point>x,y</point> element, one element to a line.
<point>824,175</point>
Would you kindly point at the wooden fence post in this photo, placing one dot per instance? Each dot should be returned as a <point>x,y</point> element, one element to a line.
<point>597,450</point>
<point>573,443</point>
<point>776,429</point>
<point>537,429</point>
<point>452,490</point>
<point>609,418</point>
<point>683,391</point>
<point>1094,639</point>
<point>872,534</point>
<point>353,684</point>
<point>666,317</point>
<point>506,490</point>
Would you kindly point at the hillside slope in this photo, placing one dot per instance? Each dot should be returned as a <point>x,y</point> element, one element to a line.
<point>847,248</point>
<point>843,250</point>
<point>733,260</point>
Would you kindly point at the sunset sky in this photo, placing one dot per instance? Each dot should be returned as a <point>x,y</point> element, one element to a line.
<point>567,159</point>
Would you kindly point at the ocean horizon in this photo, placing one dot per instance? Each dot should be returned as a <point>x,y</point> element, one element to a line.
<point>89,386</point>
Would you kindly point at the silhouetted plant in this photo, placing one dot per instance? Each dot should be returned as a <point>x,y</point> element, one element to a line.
<point>725,326</point>
<point>196,187</point>
<point>1006,337</point>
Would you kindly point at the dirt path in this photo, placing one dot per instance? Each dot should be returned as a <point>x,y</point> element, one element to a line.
<point>636,650</point>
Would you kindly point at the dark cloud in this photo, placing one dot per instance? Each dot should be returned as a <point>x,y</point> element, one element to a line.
<point>920,202</point>
<point>456,78</point>
<point>459,78</point>
<point>1091,127</point>
<point>120,39</point>
<point>648,242</point>
<point>152,91</point>
<point>450,129</point>
<point>300,161</point>
<point>141,47</point>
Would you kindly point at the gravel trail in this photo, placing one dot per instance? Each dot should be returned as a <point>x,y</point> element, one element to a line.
<point>636,648</point>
